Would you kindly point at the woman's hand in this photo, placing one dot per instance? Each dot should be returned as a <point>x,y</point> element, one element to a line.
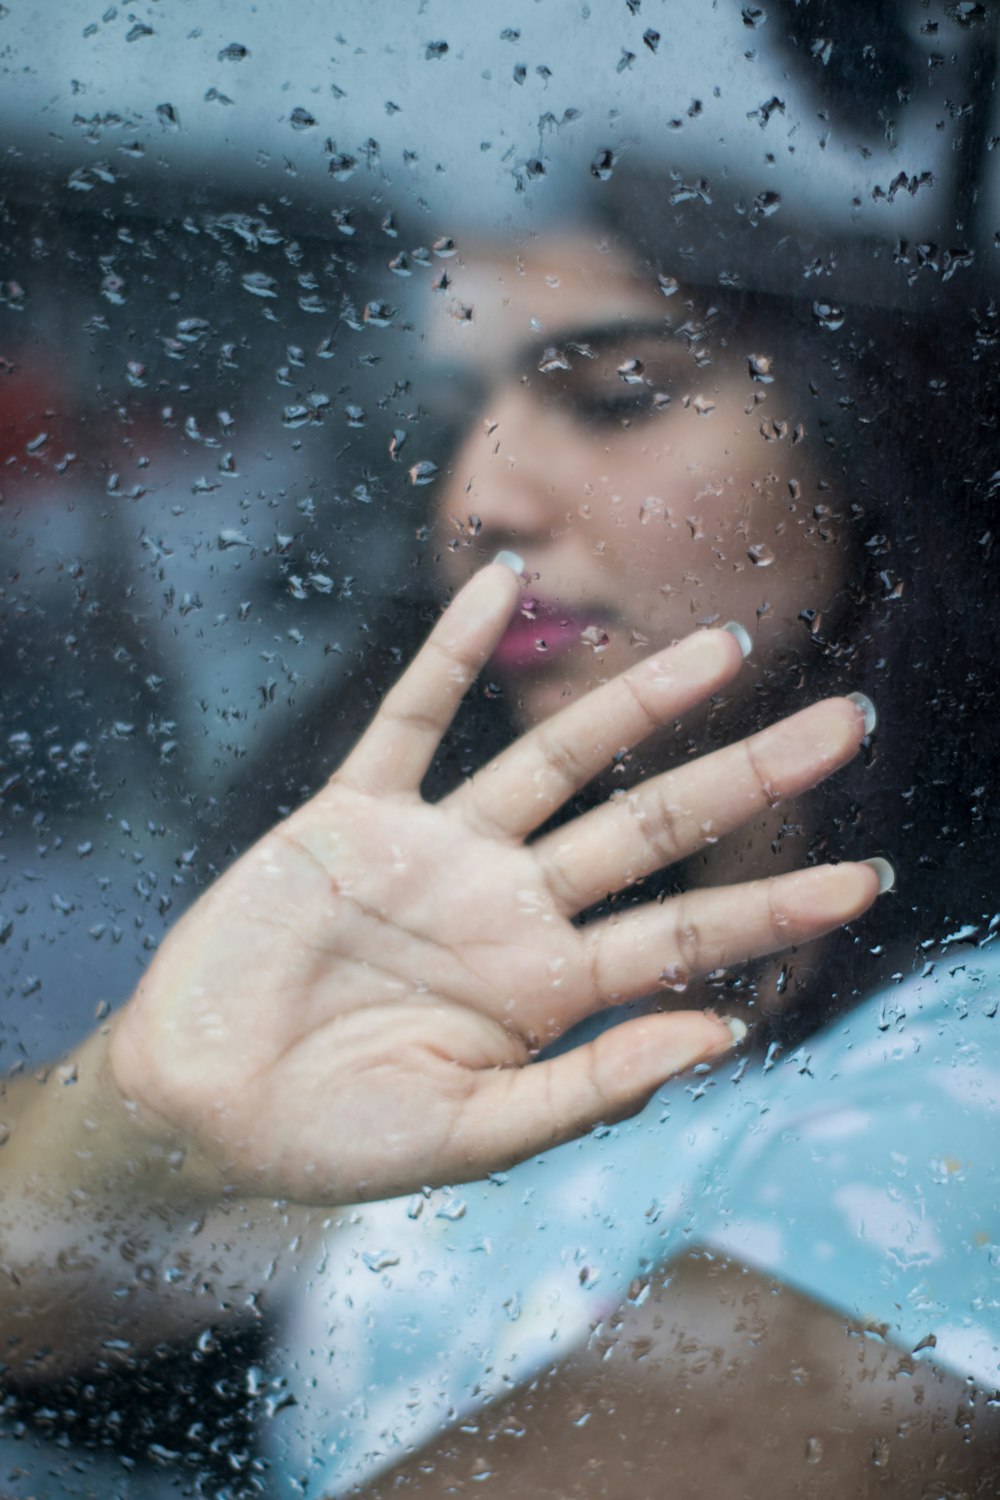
<point>348,1013</point>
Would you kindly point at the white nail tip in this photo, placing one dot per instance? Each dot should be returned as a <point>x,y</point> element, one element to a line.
<point>886,874</point>
<point>512,561</point>
<point>740,635</point>
<point>737,1028</point>
<point>867,707</point>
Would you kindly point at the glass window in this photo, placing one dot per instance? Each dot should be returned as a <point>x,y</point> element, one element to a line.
<point>577,1065</point>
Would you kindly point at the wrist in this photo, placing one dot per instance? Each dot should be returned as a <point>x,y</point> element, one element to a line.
<point>73,1132</point>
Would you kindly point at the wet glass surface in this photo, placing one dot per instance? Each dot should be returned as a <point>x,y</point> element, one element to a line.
<point>303,319</point>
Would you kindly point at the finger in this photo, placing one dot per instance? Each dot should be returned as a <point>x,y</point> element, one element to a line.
<point>673,815</point>
<point>396,750</point>
<point>667,946</point>
<point>517,1112</point>
<point>527,783</point>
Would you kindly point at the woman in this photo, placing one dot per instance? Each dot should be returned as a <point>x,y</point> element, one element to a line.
<point>657,468</point>
<point>347,1014</point>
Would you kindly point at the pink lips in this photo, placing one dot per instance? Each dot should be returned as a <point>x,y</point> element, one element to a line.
<point>541,633</point>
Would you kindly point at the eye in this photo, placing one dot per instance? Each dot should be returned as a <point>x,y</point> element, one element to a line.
<point>628,390</point>
<point>610,386</point>
<point>610,404</point>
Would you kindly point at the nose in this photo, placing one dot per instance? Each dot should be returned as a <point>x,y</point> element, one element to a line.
<point>511,475</point>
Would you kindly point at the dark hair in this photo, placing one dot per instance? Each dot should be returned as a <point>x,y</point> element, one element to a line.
<point>896,354</point>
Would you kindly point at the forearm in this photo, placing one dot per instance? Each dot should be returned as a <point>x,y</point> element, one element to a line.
<point>113,1234</point>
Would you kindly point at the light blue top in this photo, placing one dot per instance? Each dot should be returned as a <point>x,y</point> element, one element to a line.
<point>864,1170</point>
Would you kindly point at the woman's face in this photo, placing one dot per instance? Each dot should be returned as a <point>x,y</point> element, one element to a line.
<point>652,480</point>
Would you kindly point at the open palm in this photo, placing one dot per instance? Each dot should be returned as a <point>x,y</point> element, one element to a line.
<point>349,1013</point>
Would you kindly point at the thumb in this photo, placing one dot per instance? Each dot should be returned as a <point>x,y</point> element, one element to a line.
<point>516,1112</point>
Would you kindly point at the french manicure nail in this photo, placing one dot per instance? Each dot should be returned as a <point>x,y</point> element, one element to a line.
<point>737,1028</point>
<point>512,561</point>
<point>741,635</point>
<point>883,869</point>
<point>867,707</point>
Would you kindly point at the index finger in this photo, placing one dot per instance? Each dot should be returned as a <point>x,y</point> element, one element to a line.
<point>394,753</point>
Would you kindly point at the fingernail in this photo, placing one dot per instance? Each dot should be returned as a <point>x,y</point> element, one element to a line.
<point>742,636</point>
<point>883,869</point>
<point>867,707</point>
<point>512,561</point>
<point>737,1028</point>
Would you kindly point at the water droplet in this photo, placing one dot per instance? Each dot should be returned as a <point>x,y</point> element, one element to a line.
<point>342,166</point>
<point>631,371</point>
<point>766,204</point>
<point>675,978</point>
<point>760,368</point>
<point>760,555</point>
<point>880,1453</point>
<point>452,1208</point>
<point>966,13</point>
<point>260,284</point>
<point>597,639</point>
<point>640,1286</point>
<point>828,315</point>
<point>603,164</point>
<point>423,472</point>
<point>168,117</point>
<point>227,539</point>
<point>380,1260</point>
<point>301,119</point>
<point>753,16</point>
<point>689,192</point>
<point>553,359</point>
<point>668,285</point>
<point>234,52</point>
<point>814,1450</point>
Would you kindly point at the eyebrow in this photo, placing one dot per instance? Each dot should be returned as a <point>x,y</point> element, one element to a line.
<point>595,336</point>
